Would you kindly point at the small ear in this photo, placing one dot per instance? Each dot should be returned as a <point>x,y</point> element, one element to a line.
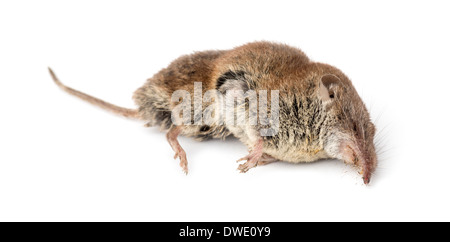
<point>232,80</point>
<point>326,93</point>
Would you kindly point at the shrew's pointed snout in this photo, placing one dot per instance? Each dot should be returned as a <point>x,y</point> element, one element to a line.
<point>366,175</point>
<point>368,165</point>
<point>364,159</point>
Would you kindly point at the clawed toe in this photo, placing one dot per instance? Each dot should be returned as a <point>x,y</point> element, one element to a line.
<point>183,160</point>
<point>252,161</point>
<point>243,168</point>
<point>179,152</point>
<point>244,158</point>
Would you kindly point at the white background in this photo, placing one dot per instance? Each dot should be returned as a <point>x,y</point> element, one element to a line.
<point>64,160</point>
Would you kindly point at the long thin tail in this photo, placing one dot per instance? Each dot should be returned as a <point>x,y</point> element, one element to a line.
<point>129,113</point>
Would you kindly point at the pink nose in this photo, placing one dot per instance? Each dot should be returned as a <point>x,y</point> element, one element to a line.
<point>366,178</point>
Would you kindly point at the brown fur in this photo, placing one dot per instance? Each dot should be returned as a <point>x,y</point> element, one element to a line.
<point>321,114</point>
